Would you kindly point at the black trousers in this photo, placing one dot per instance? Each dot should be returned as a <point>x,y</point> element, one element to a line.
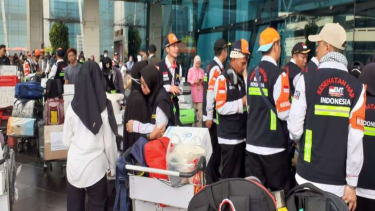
<point>213,173</point>
<point>272,170</point>
<point>233,160</point>
<point>364,204</point>
<point>97,197</point>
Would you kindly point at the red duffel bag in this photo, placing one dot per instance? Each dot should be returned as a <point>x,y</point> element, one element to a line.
<point>156,156</point>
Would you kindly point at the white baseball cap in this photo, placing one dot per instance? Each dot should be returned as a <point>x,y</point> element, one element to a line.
<point>333,34</point>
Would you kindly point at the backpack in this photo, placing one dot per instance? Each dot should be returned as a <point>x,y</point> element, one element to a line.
<point>29,90</point>
<point>54,112</point>
<point>233,194</point>
<point>54,88</point>
<point>307,197</point>
<point>156,156</point>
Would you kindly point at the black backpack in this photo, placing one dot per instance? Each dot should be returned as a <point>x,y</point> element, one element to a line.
<point>308,197</point>
<point>233,194</point>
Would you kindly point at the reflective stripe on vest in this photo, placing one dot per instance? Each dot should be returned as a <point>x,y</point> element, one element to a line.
<point>205,78</point>
<point>273,120</point>
<point>255,91</point>
<point>337,111</point>
<point>308,146</point>
<point>369,131</point>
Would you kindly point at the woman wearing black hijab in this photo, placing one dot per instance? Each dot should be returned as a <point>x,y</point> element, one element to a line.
<point>89,132</point>
<point>136,107</point>
<point>159,104</point>
<point>366,182</point>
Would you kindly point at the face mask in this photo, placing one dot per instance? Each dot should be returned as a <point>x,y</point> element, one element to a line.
<point>105,55</point>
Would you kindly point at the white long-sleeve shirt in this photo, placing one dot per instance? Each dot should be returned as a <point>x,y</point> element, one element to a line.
<point>52,74</point>
<point>296,121</point>
<point>283,115</point>
<point>214,73</point>
<point>89,155</point>
<point>225,107</point>
<point>144,128</point>
<point>172,71</point>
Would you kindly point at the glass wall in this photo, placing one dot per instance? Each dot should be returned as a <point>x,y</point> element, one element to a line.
<point>68,11</point>
<point>205,21</point>
<point>106,9</point>
<point>16,24</point>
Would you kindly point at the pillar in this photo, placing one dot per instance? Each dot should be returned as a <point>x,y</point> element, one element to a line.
<point>155,27</point>
<point>34,10</point>
<point>91,30</point>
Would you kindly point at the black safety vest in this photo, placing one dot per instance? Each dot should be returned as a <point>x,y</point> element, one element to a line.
<point>233,126</point>
<point>292,70</point>
<point>367,176</point>
<point>60,70</point>
<point>311,67</point>
<point>163,96</point>
<point>330,97</point>
<point>212,64</point>
<point>165,74</point>
<point>166,78</point>
<point>264,127</point>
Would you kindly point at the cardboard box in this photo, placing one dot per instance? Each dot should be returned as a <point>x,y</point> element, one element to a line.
<point>67,100</point>
<point>8,70</point>
<point>69,89</point>
<point>7,96</point>
<point>190,135</point>
<point>53,146</point>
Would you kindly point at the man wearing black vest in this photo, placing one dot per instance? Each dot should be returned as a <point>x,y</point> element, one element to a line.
<point>327,120</point>
<point>366,182</point>
<point>296,64</point>
<point>214,69</point>
<point>266,139</point>
<point>170,72</point>
<point>230,98</point>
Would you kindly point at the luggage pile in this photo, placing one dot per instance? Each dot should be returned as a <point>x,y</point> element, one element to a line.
<point>50,129</point>
<point>22,123</point>
<point>165,165</point>
<point>187,112</point>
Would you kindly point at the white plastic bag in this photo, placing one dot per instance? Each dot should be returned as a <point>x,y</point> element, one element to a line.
<point>183,157</point>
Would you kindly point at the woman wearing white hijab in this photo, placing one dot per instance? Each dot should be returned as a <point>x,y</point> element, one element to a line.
<point>195,78</point>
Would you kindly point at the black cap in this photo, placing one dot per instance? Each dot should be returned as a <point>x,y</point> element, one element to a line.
<point>170,39</point>
<point>220,44</point>
<point>300,48</point>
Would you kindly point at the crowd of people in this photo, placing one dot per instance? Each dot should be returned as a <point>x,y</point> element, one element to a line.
<point>313,112</point>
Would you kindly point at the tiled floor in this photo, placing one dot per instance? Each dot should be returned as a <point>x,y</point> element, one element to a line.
<point>40,191</point>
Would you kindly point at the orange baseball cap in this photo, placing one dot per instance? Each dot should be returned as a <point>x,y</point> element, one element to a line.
<point>240,49</point>
<point>36,52</point>
<point>267,38</point>
<point>170,40</point>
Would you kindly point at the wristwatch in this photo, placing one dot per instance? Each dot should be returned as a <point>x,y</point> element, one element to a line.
<point>352,187</point>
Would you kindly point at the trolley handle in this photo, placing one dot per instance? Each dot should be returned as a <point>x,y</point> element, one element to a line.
<point>6,154</point>
<point>201,166</point>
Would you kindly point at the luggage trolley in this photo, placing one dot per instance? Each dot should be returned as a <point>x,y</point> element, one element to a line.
<point>154,194</point>
<point>7,177</point>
